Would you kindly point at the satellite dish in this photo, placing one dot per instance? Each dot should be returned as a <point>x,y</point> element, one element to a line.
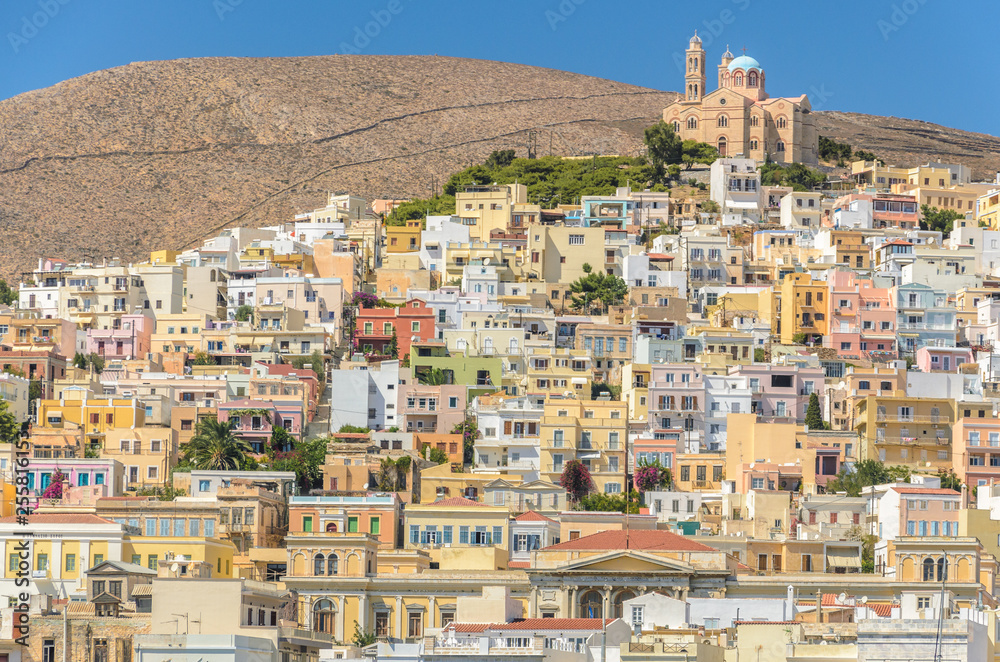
<point>365,487</point>
<point>842,597</point>
<point>864,599</point>
<point>486,261</point>
<point>175,567</point>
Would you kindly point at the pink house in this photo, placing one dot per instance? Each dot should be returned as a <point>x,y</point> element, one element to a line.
<point>863,317</point>
<point>942,359</point>
<point>256,420</point>
<point>131,339</point>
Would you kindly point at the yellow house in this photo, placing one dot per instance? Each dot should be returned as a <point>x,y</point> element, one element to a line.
<point>591,431</point>
<point>805,308</point>
<point>180,332</point>
<point>914,432</point>
<point>147,453</point>
<point>403,238</point>
<point>96,416</point>
<point>557,253</point>
<point>487,208</point>
<point>440,481</point>
<point>988,209</point>
<point>446,526</point>
<point>62,548</point>
<point>559,373</point>
<point>149,550</point>
<point>635,389</point>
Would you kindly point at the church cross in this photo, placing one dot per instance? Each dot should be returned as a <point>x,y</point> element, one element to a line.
<point>744,50</point>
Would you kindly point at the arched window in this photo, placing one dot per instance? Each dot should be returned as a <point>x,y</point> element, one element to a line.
<point>754,121</point>
<point>677,126</point>
<point>318,564</point>
<point>591,605</point>
<point>753,145</point>
<point>781,123</point>
<point>619,600</point>
<point>781,146</point>
<point>461,344</point>
<point>738,79</point>
<point>323,614</point>
<point>332,564</point>
<point>331,527</point>
<point>725,79</point>
<point>692,123</point>
<point>942,569</point>
<point>752,79</point>
<point>211,275</point>
<point>722,146</point>
<point>928,568</point>
<point>722,121</point>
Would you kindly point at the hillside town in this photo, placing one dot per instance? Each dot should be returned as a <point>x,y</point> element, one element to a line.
<point>719,418</point>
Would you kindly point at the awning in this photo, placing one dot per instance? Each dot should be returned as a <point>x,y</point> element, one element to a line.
<point>843,558</point>
<point>595,455</point>
<point>578,380</point>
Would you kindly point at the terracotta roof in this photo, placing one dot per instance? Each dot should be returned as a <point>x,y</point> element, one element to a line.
<point>765,622</point>
<point>457,501</point>
<point>925,490</point>
<point>642,540</point>
<point>880,608</point>
<point>532,516</point>
<point>58,518</point>
<point>518,564</point>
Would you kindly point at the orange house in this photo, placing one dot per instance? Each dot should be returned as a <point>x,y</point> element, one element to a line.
<point>411,322</point>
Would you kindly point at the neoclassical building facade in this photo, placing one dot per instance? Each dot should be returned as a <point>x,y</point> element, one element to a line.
<point>739,118</point>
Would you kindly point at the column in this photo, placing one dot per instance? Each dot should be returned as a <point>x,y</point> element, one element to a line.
<point>571,611</point>
<point>339,628</point>
<point>533,603</point>
<point>432,616</point>
<point>399,617</point>
<point>606,609</point>
<point>55,559</point>
<point>83,563</point>
<point>363,611</point>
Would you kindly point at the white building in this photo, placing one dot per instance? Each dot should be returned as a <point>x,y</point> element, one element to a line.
<point>735,187</point>
<point>801,210</point>
<point>441,232</point>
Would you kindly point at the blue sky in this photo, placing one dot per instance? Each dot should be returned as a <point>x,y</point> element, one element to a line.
<point>922,59</point>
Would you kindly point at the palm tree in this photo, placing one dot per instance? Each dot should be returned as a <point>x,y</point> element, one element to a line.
<point>215,447</point>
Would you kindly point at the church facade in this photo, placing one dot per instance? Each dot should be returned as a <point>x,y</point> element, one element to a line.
<point>739,118</point>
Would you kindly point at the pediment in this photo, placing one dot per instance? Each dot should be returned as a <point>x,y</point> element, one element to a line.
<point>627,561</point>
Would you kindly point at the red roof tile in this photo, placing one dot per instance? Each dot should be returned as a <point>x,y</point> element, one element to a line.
<point>925,490</point>
<point>532,516</point>
<point>518,564</point>
<point>58,518</point>
<point>457,501</point>
<point>643,540</point>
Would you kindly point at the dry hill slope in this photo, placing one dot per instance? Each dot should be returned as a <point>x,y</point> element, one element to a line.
<point>161,154</point>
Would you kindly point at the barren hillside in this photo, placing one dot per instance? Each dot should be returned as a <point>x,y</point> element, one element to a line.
<point>161,154</point>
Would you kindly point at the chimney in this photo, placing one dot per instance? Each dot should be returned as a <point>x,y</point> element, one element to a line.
<point>819,606</point>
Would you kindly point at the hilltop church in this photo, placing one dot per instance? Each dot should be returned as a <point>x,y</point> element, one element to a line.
<point>739,118</point>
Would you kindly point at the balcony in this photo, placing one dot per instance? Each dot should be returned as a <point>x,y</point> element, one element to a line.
<point>905,418</point>
<point>925,326</point>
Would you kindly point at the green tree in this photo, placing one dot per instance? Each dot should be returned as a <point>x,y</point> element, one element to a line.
<point>866,473</point>
<point>281,441</point>
<point>8,295</point>
<point>594,286</point>
<point>814,415</point>
<point>950,481</point>
<point>500,159</point>
<point>862,155</point>
<point>393,349</point>
<point>362,638</point>
<point>469,429</point>
<point>610,503</point>
<point>215,447</point>
<point>674,172</point>
<point>693,152</point>
<point>710,207</point>
<point>10,429</point>
<point>243,313</point>
<point>831,150</point>
<point>664,148</point>
<point>34,389</point>
<point>203,358</point>
<point>759,355</point>
<point>432,377</point>
<point>79,361</point>
<point>353,429</point>
<point>576,480</point>
<point>434,454</point>
<point>941,220</point>
<point>306,460</point>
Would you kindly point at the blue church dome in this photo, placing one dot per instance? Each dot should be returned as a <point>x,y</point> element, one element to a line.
<point>744,62</point>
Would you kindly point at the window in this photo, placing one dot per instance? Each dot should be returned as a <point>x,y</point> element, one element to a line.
<point>71,563</point>
<point>576,240</point>
<point>152,562</point>
<point>415,627</point>
<point>637,616</point>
